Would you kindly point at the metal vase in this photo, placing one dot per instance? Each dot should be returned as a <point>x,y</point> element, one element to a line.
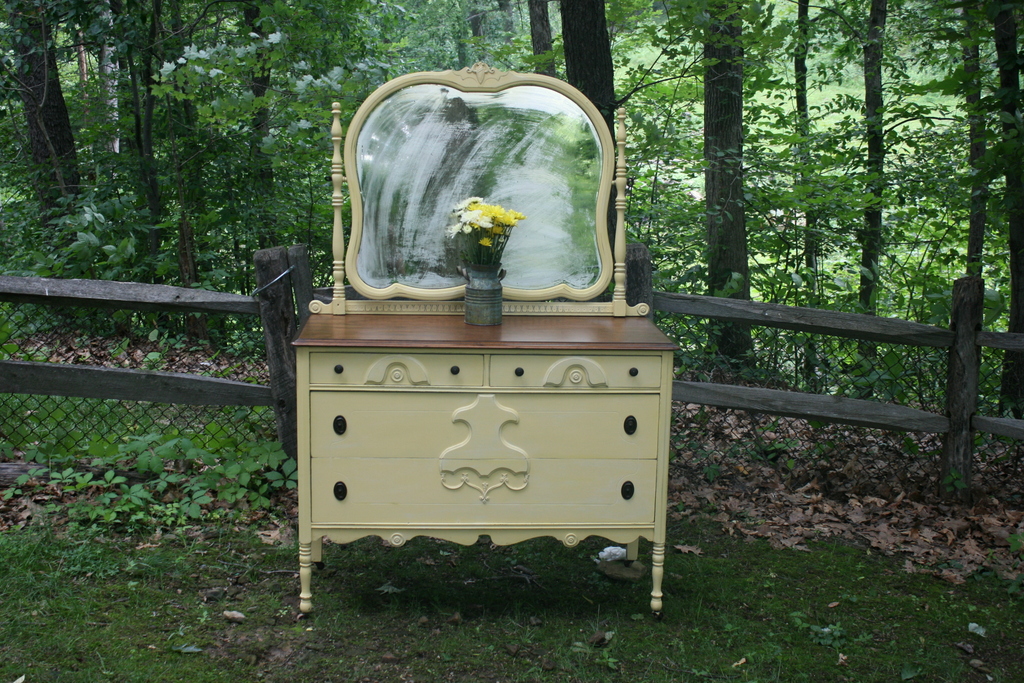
<point>483,294</point>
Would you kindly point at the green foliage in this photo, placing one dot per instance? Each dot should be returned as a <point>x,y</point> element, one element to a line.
<point>178,481</point>
<point>833,635</point>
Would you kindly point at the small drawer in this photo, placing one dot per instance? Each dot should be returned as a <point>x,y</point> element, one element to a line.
<point>576,372</point>
<point>396,369</point>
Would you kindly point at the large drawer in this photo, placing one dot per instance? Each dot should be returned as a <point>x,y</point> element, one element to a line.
<point>408,424</point>
<point>575,372</point>
<point>396,369</point>
<point>383,491</point>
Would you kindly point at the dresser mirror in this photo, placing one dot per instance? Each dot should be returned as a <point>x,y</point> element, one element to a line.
<point>424,142</point>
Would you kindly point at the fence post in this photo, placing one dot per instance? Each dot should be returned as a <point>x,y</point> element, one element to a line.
<point>302,280</point>
<point>639,287</point>
<point>278,316</point>
<point>962,388</point>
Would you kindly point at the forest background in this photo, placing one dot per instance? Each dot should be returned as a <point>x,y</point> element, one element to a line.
<point>856,155</point>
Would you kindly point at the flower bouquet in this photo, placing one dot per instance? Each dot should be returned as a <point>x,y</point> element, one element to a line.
<point>484,230</point>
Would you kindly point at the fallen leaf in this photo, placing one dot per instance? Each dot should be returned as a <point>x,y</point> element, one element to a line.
<point>842,660</point>
<point>270,537</point>
<point>909,671</point>
<point>833,604</point>
<point>966,647</point>
<point>236,617</point>
<point>186,649</point>
<point>689,549</point>
<point>976,629</point>
<point>740,663</point>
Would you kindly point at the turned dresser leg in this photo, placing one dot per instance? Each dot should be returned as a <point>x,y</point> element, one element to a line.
<point>305,578</point>
<point>657,574</point>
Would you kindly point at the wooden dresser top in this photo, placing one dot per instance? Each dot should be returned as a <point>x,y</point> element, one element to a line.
<point>516,332</point>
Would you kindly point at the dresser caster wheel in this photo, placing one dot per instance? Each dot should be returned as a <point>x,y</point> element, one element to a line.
<point>658,616</point>
<point>319,565</point>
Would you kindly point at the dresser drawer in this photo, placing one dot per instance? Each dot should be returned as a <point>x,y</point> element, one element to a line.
<point>397,491</point>
<point>409,424</point>
<point>575,372</point>
<point>397,369</point>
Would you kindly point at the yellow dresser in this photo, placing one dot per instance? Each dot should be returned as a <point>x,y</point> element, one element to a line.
<point>421,425</point>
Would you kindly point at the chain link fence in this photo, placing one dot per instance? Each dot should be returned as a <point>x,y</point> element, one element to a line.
<point>233,349</point>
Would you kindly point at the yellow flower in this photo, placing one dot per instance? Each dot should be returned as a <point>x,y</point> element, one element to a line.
<point>485,241</point>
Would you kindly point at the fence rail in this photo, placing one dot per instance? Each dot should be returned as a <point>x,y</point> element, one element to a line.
<point>122,295</point>
<point>851,325</point>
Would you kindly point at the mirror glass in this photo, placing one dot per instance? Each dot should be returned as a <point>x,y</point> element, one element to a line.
<point>427,147</point>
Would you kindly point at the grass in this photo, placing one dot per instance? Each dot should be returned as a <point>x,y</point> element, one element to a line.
<point>80,606</point>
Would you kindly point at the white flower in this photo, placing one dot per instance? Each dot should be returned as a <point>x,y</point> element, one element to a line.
<point>466,202</point>
<point>453,230</point>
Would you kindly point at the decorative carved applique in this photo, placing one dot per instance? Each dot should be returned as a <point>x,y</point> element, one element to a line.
<point>570,372</point>
<point>485,460</point>
<point>397,370</point>
<point>481,72</point>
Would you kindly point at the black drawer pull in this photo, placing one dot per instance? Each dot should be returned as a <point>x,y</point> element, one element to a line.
<point>341,491</point>
<point>519,372</point>
<point>338,369</point>
<point>455,369</point>
<point>340,425</point>
<point>629,425</point>
<point>627,490</point>
<point>633,372</point>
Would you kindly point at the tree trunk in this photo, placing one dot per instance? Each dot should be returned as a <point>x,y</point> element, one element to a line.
<point>871,237</point>
<point>979,189</point>
<point>51,139</point>
<point>261,163</point>
<point>728,271</point>
<point>1005,24</point>
<point>540,35</point>
<point>588,54</point>
<point>142,80</point>
<point>803,124</point>
<point>108,78</point>
<point>809,351</point>
<point>588,66</point>
<point>508,23</point>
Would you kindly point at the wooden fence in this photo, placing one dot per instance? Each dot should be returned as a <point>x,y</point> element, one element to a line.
<point>958,423</point>
<point>273,304</point>
<point>280,272</point>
